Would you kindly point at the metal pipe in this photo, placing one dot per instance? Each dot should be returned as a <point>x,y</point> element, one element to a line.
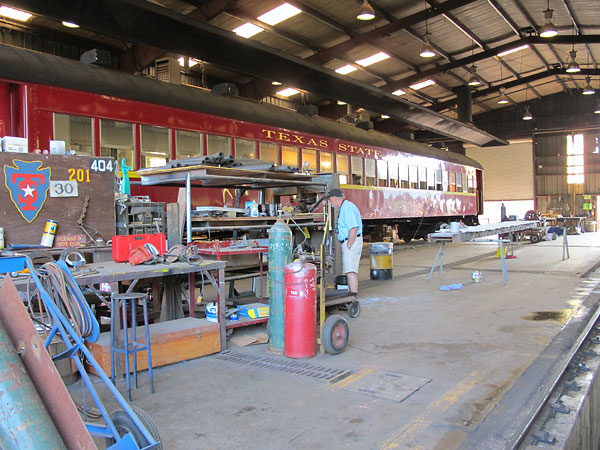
<point>25,421</point>
<point>188,208</point>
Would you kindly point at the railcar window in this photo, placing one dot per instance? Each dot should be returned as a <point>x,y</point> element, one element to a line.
<point>245,148</point>
<point>370,172</point>
<point>268,152</point>
<point>403,176</point>
<point>76,131</point>
<point>393,169</point>
<point>413,177</point>
<point>445,183</point>
<point>216,144</point>
<point>189,144</point>
<point>342,168</point>
<point>438,180</point>
<point>422,178</point>
<point>326,162</point>
<point>382,172</point>
<point>289,156</point>
<point>459,182</point>
<point>470,184</point>
<point>357,170</point>
<point>116,141</point>
<point>155,146</point>
<point>431,179</point>
<point>309,156</point>
<point>452,181</point>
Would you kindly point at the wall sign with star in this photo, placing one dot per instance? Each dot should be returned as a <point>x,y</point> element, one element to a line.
<point>41,187</point>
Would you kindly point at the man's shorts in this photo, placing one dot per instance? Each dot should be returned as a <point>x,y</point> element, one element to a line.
<point>351,256</point>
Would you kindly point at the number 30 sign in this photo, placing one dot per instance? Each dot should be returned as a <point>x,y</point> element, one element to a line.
<point>63,189</point>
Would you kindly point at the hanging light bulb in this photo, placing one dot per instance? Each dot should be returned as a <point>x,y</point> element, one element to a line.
<point>474,79</point>
<point>548,30</point>
<point>365,12</point>
<point>588,89</point>
<point>503,99</point>
<point>527,115</point>
<point>573,67</point>
<point>427,51</point>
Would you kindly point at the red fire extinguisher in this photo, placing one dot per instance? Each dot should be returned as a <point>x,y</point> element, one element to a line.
<point>300,325</point>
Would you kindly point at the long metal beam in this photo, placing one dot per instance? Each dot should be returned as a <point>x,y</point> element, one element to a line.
<point>530,40</point>
<point>390,28</point>
<point>138,20</point>
<point>524,80</point>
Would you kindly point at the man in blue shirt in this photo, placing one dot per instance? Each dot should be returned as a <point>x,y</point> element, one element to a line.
<point>349,233</point>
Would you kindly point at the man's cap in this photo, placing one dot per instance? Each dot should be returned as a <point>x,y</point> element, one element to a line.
<point>336,193</point>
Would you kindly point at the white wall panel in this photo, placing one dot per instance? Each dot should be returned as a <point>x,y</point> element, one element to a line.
<point>507,171</point>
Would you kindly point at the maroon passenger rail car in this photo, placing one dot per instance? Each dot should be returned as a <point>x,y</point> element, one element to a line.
<point>105,113</point>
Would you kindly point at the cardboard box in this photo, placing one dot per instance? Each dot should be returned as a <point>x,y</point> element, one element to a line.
<point>254,310</point>
<point>15,144</point>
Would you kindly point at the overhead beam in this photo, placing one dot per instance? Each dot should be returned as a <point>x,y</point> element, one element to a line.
<point>388,29</point>
<point>441,106</point>
<point>530,40</point>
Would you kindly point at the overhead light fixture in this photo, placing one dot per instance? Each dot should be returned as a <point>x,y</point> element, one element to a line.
<point>69,24</point>
<point>385,116</point>
<point>503,99</point>
<point>344,70</point>
<point>288,92</point>
<point>473,79</point>
<point>573,67</point>
<point>427,51</point>
<point>548,30</point>
<point>588,89</point>
<point>527,115</point>
<point>247,30</point>
<point>15,14</point>
<point>513,50</point>
<point>399,92</point>
<point>279,14</point>
<point>372,59</point>
<point>365,12</point>
<point>597,108</point>
<point>422,84</point>
<point>276,83</point>
<point>340,102</point>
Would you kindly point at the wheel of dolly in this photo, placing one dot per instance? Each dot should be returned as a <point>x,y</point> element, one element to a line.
<point>335,334</point>
<point>124,424</point>
<point>354,309</point>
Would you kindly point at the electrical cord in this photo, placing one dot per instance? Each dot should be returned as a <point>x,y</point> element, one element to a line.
<point>66,295</point>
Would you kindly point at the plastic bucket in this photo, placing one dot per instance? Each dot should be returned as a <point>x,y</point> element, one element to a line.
<point>211,312</point>
<point>381,260</point>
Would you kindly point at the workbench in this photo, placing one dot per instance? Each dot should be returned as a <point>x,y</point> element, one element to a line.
<point>466,234</point>
<point>113,273</point>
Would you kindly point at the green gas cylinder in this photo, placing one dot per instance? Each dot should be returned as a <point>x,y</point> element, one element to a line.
<point>280,254</point>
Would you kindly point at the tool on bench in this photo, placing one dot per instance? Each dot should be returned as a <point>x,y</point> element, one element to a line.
<point>92,234</point>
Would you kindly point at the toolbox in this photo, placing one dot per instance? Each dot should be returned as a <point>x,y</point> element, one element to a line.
<point>122,245</point>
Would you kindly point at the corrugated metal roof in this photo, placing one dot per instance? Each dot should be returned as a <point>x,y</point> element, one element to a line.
<point>327,33</point>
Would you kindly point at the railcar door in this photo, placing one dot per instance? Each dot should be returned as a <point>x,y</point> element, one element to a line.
<point>479,190</point>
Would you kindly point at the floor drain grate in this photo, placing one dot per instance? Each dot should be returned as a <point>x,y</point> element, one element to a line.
<point>301,368</point>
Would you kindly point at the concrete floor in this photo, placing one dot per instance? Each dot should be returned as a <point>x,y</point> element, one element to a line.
<point>429,367</point>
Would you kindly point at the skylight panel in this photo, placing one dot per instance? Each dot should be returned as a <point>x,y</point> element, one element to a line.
<point>373,59</point>
<point>247,30</point>
<point>344,70</point>
<point>279,14</point>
